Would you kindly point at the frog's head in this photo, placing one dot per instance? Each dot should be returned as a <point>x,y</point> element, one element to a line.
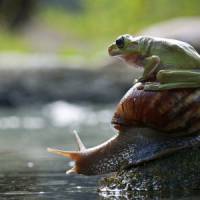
<point>123,46</point>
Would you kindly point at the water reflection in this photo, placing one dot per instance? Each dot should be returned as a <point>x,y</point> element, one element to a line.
<point>47,186</point>
<point>63,114</point>
<point>57,114</point>
<point>147,195</point>
<point>14,122</point>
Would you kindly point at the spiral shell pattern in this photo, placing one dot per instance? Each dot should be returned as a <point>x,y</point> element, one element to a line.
<point>172,111</point>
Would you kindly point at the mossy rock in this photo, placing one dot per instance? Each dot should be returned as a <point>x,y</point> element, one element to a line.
<point>177,172</point>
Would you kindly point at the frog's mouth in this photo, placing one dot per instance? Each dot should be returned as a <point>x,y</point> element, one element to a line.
<point>132,58</point>
<point>113,50</point>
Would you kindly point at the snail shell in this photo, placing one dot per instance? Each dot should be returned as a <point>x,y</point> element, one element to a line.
<point>141,118</point>
<point>171,111</point>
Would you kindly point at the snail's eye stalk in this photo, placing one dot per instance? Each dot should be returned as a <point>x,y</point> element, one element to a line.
<point>120,42</point>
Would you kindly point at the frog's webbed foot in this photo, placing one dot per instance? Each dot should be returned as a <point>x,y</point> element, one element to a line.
<point>139,83</point>
<point>152,86</point>
<point>138,80</point>
<point>142,79</point>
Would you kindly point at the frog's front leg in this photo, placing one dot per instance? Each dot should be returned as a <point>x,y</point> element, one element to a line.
<point>150,65</point>
<point>172,79</point>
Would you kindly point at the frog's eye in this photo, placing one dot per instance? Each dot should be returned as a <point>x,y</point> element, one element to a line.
<point>120,42</point>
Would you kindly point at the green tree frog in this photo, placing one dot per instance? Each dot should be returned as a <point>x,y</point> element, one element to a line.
<point>168,63</point>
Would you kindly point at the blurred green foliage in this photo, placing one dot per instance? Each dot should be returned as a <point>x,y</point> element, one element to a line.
<point>13,42</point>
<point>102,19</point>
<point>99,22</point>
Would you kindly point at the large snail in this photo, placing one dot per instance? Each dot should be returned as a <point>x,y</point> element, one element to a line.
<point>150,124</point>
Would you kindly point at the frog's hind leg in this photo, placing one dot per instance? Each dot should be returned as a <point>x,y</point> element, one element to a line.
<point>169,86</point>
<point>172,79</point>
<point>175,76</point>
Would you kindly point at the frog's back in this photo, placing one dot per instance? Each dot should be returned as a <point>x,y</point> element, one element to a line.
<point>173,53</point>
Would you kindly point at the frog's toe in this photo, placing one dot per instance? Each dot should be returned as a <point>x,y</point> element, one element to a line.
<point>152,87</point>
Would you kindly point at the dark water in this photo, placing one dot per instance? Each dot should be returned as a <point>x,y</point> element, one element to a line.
<point>28,171</point>
<point>46,185</point>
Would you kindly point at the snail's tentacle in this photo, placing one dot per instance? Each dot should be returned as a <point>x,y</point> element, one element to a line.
<point>74,155</point>
<point>71,171</point>
<point>81,146</point>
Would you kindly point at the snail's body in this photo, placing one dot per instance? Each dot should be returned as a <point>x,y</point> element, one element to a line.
<point>150,124</point>
<point>128,148</point>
